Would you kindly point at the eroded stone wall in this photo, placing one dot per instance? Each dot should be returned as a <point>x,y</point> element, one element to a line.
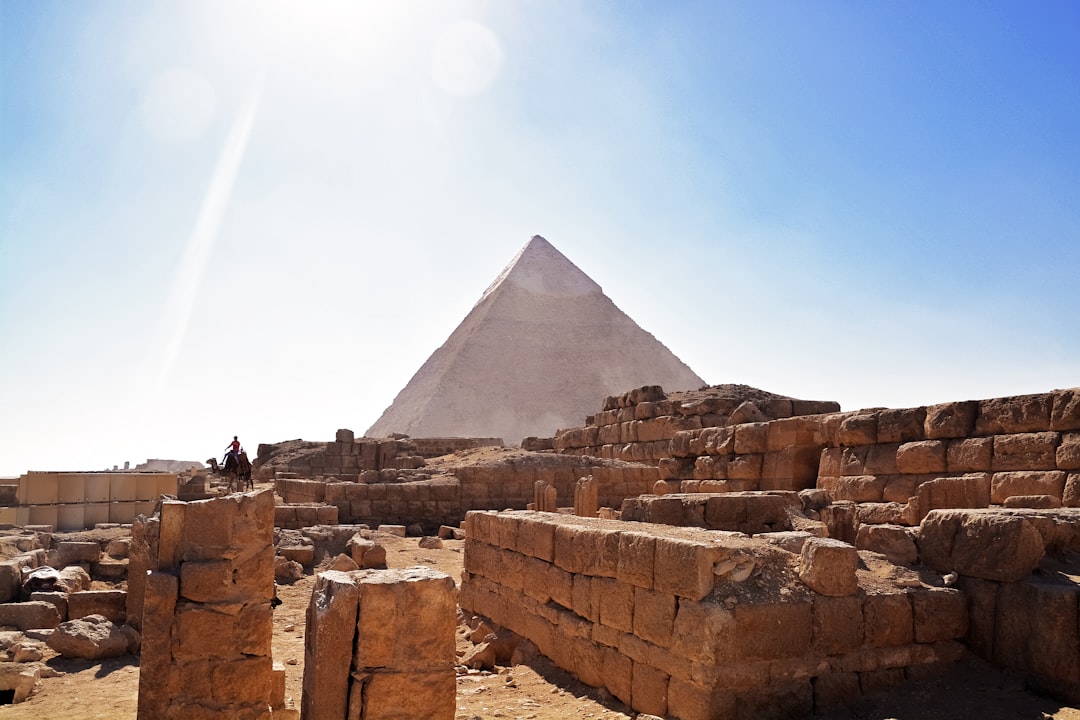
<point>692,624</point>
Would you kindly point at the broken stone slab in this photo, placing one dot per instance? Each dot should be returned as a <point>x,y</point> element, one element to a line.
<point>111,604</point>
<point>19,679</point>
<point>828,567</point>
<point>287,570</point>
<point>29,615</point>
<point>303,554</point>
<point>328,645</point>
<point>429,542</point>
<point>895,542</point>
<point>366,553</point>
<point>343,563</point>
<point>984,544</point>
<point>398,530</point>
<point>92,638</point>
<point>59,599</point>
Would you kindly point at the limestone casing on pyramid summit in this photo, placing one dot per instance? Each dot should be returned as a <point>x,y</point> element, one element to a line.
<point>539,351</point>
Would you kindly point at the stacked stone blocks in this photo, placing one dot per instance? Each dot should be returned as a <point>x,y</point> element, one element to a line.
<point>666,620</point>
<point>205,609</point>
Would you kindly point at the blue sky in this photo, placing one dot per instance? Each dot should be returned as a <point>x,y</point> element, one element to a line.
<point>260,218</point>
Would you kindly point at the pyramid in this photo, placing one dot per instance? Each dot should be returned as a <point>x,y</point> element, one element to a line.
<point>540,351</point>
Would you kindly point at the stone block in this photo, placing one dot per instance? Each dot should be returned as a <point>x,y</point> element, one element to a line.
<point>925,456</point>
<point>858,429</point>
<point>881,459</point>
<point>751,438</point>
<point>951,420</point>
<point>33,615</point>
<point>901,425</point>
<point>1016,414</point>
<point>328,646</point>
<point>893,541</point>
<point>685,567</point>
<point>1025,451</point>
<point>704,632</point>
<point>969,454</point>
<point>303,554</point>
<point>1007,484</point>
<point>966,491</point>
<point>654,616</point>
<point>616,604</point>
<point>414,694</point>
<point>406,620</point>
<point>939,614</point>
<point>835,691</point>
<point>1037,630</point>
<point>859,488</point>
<point>1071,495</point>
<point>1065,414</point>
<point>773,630</point>
<point>1032,501</point>
<point>636,559</point>
<point>649,688</point>
<point>1067,455</point>
<point>837,624</point>
<point>828,566</point>
<point>111,604</point>
<point>982,544</point>
<point>744,467</point>
<point>887,620</point>
<point>71,552</point>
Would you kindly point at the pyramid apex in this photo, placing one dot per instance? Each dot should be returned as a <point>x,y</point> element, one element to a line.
<point>540,268</point>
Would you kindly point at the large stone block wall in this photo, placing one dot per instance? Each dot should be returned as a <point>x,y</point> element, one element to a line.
<point>434,447</point>
<point>694,624</point>
<point>71,501</point>
<point>205,609</point>
<point>1014,450</point>
<point>976,453</point>
<point>444,500</point>
<point>345,458</point>
<point>638,426</point>
<point>380,644</point>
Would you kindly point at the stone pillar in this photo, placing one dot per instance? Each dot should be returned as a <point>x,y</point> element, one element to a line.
<point>398,661</point>
<point>206,616</point>
<point>585,497</point>
<point>545,497</point>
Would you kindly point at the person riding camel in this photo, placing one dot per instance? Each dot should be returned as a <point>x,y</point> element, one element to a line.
<point>233,449</point>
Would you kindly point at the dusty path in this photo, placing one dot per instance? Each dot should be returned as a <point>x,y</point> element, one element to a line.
<point>109,690</point>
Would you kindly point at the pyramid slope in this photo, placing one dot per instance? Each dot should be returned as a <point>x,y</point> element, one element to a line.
<point>541,350</point>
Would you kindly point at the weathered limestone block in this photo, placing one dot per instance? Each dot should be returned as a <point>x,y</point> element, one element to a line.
<point>93,637</point>
<point>773,630</point>
<point>328,647</point>
<point>966,491</point>
<point>72,552</point>
<point>751,438</point>
<point>1067,455</point>
<point>859,488</point>
<point>403,664</point>
<point>29,615</point>
<point>969,454</point>
<point>111,604</point>
<point>893,541</point>
<point>828,567</point>
<point>951,420</point>
<point>161,593</point>
<point>744,467</point>
<point>858,430</point>
<point>1065,414</point>
<point>1071,495</point>
<point>925,456</point>
<point>1016,414</point>
<point>1036,630</point>
<point>1025,451</point>
<point>636,554</point>
<point>982,544</point>
<point>887,619</point>
<point>1006,484</point>
<point>901,425</point>
<point>303,554</point>
<point>939,614</point>
<point>838,624</point>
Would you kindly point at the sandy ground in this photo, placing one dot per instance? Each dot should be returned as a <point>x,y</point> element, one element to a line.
<point>83,690</point>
